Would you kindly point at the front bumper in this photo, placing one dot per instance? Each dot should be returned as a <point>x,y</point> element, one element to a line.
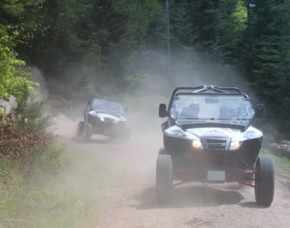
<point>106,126</point>
<point>215,162</point>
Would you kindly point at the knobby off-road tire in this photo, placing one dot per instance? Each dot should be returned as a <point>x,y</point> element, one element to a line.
<point>163,178</point>
<point>264,181</point>
<point>80,130</point>
<point>88,131</point>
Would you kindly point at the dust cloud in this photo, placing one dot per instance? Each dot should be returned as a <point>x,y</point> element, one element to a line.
<point>40,91</point>
<point>136,160</point>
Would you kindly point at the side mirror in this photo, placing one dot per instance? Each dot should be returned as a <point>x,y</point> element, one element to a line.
<point>162,110</point>
<point>260,110</point>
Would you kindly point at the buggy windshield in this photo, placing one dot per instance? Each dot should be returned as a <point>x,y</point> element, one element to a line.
<point>108,107</point>
<point>223,108</point>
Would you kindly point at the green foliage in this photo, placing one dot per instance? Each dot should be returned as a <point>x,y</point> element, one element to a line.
<point>137,17</point>
<point>231,24</point>
<point>31,118</point>
<point>266,66</point>
<point>182,27</point>
<point>22,130</point>
<point>2,111</point>
<point>59,187</point>
<point>83,44</point>
<point>93,45</point>
<point>204,17</point>
<point>14,80</point>
<point>267,58</point>
<point>284,161</point>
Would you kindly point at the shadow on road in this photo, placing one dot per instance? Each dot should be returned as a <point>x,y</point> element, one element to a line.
<point>193,196</point>
<point>251,205</point>
<point>94,140</point>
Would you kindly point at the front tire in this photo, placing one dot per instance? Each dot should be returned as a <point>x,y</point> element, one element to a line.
<point>163,178</point>
<point>264,181</point>
<point>80,129</point>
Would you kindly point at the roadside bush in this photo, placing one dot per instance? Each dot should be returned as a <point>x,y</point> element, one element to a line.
<point>281,149</point>
<point>29,161</point>
<point>23,190</point>
<point>44,183</point>
<point>22,130</point>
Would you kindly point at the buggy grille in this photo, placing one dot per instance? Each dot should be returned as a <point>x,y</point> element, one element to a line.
<point>216,143</point>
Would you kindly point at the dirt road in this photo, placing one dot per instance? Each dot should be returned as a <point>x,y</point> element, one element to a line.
<point>130,201</point>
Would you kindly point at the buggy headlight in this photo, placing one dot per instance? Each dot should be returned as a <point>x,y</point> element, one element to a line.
<point>235,145</point>
<point>197,144</point>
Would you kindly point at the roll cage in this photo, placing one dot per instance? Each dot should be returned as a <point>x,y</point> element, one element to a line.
<point>211,91</point>
<point>103,99</point>
<point>206,90</point>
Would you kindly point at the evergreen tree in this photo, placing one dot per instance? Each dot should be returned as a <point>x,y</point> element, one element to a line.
<point>268,56</point>
<point>231,24</point>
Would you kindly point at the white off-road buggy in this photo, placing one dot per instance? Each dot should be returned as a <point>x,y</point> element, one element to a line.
<point>208,137</point>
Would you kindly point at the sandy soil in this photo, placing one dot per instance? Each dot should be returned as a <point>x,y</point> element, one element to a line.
<point>130,201</point>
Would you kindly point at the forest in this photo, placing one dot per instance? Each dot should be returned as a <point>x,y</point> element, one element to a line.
<point>118,44</point>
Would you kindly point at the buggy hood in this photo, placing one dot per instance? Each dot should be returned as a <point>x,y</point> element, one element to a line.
<point>204,132</point>
<point>103,115</point>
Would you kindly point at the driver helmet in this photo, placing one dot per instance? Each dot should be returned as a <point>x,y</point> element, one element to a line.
<point>227,111</point>
<point>194,108</point>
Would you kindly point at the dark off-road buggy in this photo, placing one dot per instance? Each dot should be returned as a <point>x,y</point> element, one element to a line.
<point>104,116</point>
<point>209,137</point>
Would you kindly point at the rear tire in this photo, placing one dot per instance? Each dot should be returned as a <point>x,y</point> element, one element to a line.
<point>84,131</point>
<point>80,129</point>
<point>264,181</point>
<point>163,178</point>
<point>88,131</point>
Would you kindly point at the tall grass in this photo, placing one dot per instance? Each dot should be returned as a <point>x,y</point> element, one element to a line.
<point>59,189</point>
